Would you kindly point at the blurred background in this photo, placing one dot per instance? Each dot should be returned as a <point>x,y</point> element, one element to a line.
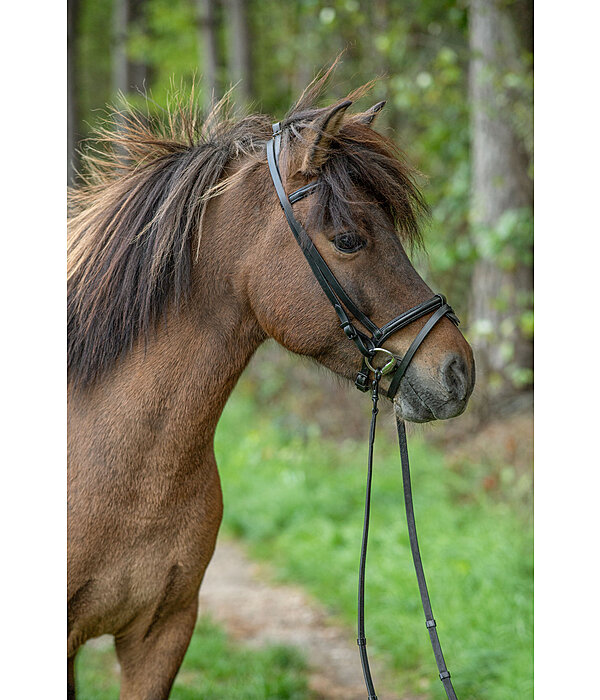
<point>458,80</point>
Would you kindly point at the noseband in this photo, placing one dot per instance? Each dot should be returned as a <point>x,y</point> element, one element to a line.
<point>369,347</point>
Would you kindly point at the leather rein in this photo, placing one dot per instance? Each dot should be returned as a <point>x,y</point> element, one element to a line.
<point>369,347</point>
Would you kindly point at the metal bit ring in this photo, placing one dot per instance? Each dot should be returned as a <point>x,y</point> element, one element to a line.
<point>389,365</point>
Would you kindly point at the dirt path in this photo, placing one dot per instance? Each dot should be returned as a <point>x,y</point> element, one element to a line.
<point>237,593</point>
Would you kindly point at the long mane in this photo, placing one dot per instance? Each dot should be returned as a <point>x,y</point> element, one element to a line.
<point>140,205</point>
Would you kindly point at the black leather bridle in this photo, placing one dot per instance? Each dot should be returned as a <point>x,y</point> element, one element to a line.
<point>369,347</point>
<point>342,303</point>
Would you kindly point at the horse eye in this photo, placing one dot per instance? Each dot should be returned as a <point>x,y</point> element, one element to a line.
<point>349,242</point>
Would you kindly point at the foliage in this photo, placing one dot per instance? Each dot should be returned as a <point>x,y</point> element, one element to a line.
<point>94,62</point>
<point>166,41</point>
<point>418,50</point>
<point>213,666</point>
<point>298,502</point>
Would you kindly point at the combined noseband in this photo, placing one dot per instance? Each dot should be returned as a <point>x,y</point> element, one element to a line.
<point>368,348</point>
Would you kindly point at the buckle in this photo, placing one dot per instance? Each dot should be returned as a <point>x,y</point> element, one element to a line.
<point>349,330</point>
<point>362,381</point>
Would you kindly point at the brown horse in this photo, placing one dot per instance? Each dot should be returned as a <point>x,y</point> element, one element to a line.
<point>180,265</point>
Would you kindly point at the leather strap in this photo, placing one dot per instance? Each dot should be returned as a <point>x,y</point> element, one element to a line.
<point>302,192</point>
<point>430,622</point>
<point>330,285</point>
<point>361,639</point>
<point>416,554</point>
<point>344,306</point>
<point>414,346</point>
<point>415,313</point>
<point>342,303</point>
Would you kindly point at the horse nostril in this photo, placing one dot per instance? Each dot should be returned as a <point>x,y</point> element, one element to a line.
<point>454,376</point>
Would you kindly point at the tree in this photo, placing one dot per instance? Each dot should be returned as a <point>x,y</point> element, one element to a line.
<point>73,108</point>
<point>119,51</point>
<point>138,73</point>
<point>239,49</point>
<point>208,49</point>
<point>501,199</point>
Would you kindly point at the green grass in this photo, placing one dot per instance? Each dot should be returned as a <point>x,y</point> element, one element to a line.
<point>213,667</point>
<point>298,503</point>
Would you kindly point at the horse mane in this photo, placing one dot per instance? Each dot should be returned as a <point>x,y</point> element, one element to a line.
<point>141,199</point>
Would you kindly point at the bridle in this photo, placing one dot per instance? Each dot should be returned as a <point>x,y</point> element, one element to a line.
<point>369,347</point>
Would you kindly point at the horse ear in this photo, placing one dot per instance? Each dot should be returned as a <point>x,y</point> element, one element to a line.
<point>371,114</point>
<point>325,129</point>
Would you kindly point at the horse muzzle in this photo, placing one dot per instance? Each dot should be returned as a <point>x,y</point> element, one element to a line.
<point>422,397</point>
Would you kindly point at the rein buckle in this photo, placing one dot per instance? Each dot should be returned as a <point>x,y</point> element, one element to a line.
<point>362,379</point>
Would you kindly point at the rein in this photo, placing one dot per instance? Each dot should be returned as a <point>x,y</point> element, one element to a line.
<point>369,346</point>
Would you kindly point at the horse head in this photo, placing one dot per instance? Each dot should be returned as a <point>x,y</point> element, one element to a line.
<point>361,208</point>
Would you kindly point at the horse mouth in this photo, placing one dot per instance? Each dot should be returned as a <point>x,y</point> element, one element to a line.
<point>421,406</point>
<point>409,406</point>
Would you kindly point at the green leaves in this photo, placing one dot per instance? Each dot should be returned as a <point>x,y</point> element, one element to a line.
<point>417,49</point>
<point>509,241</point>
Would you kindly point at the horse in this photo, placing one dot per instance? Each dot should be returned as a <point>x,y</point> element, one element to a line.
<point>180,264</point>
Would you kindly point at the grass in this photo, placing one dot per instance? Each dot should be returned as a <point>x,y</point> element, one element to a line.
<point>213,667</point>
<point>298,502</point>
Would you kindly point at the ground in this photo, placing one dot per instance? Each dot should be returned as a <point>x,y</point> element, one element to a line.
<point>241,595</point>
<point>238,594</point>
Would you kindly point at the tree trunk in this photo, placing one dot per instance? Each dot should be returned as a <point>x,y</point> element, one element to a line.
<point>208,54</point>
<point>303,71</point>
<point>72,91</point>
<point>120,83</point>
<point>119,55</point>
<point>137,71</point>
<point>240,58</point>
<point>502,283</point>
<point>380,15</point>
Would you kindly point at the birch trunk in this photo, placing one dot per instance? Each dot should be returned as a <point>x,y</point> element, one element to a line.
<point>500,184</point>
<point>119,54</point>
<point>240,56</point>
<point>137,71</point>
<point>207,40</point>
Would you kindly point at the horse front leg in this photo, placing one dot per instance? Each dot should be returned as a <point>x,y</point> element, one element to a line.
<point>150,660</point>
<point>71,677</point>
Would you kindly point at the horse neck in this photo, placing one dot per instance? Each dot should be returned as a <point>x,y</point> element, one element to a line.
<point>170,390</point>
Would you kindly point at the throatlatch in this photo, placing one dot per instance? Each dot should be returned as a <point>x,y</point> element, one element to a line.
<point>369,346</point>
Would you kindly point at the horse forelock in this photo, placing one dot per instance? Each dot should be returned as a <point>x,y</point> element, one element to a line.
<point>365,169</point>
<point>141,202</point>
